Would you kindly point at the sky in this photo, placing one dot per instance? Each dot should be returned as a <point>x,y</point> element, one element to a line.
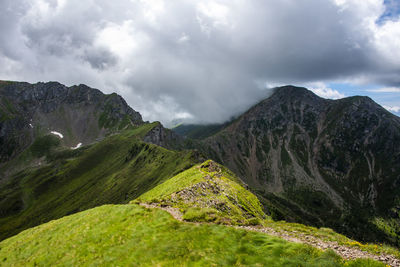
<point>205,61</point>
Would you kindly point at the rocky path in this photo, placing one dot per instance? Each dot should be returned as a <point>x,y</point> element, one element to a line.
<point>345,252</point>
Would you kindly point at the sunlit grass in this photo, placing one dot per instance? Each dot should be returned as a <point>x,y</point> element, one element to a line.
<point>130,235</point>
<point>212,195</point>
<point>327,234</point>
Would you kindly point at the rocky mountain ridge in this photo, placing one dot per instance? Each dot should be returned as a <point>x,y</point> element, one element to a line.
<point>79,114</point>
<point>325,162</point>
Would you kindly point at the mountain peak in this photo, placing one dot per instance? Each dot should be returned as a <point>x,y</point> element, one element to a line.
<point>293,92</point>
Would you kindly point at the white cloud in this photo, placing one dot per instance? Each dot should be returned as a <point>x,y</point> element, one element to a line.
<point>184,38</point>
<point>385,90</point>
<point>203,61</point>
<point>392,108</point>
<point>322,90</point>
<point>386,38</point>
<point>121,40</point>
<point>217,12</point>
<point>152,10</point>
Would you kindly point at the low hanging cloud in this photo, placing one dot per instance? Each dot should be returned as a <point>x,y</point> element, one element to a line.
<point>203,61</point>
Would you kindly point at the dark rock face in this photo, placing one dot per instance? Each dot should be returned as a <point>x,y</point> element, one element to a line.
<point>164,137</point>
<point>330,163</point>
<point>81,114</point>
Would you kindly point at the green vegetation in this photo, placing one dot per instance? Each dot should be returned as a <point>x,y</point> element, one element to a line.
<point>207,192</point>
<point>132,235</point>
<point>316,201</point>
<point>288,208</point>
<point>200,215</point>
<point>390,226</point>
<point>327,234</point>
<point>43,145</point>
<point>7,109</point>
<point>9,106</point>
<point>285,157</point>
<point>116,170</point>
<point>106,120</point>
<point>109,117</point>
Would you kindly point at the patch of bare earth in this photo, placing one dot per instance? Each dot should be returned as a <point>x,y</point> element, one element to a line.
<point>173,211</point>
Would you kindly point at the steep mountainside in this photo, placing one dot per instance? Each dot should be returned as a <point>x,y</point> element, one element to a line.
<point>198,131</point>
<point>115,170</point>
<point>319,161</point>
<point>79,113</point>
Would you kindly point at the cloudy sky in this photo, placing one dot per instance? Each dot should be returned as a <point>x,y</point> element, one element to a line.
<point>205,61</point>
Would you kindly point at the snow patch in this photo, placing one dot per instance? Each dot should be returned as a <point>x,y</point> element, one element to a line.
<point>58,134</point>
<point>77,146</point>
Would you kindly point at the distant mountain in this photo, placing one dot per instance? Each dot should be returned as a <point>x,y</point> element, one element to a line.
<point>323,162</point>
<point>78,114</point>
<point>333,163</point>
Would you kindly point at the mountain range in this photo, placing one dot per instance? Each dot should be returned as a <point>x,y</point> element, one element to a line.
<point>294,156</point>
<point>323,162</point>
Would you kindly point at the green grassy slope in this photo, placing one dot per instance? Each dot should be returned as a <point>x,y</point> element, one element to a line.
<point>115,170</point>
<point>207,192</point>
<point>130,235</point>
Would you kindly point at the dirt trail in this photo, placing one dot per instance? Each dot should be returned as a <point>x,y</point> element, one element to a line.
<point>345,252</point>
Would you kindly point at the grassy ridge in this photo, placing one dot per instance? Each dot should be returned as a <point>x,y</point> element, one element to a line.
<point>116,170</point>
<point>208,192</point>
<point>130,235</point>
<point>204,205</point>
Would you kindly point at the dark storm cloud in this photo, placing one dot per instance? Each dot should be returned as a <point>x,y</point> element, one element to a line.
<point>199,60</point>
<point>100,58</point>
